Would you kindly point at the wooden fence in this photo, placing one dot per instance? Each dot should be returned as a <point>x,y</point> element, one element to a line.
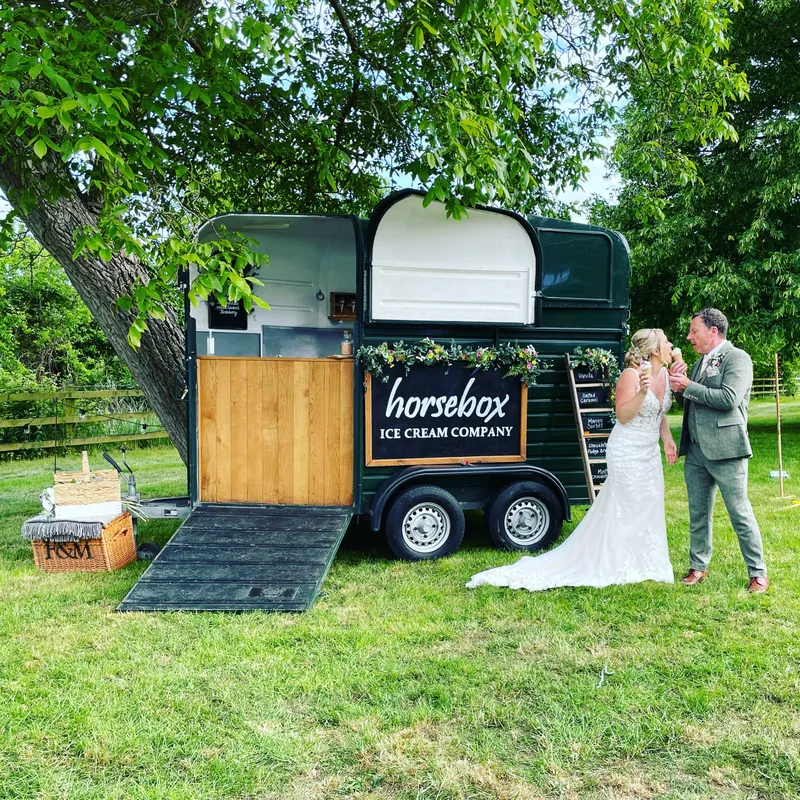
<point>765,387</point>
<point>63,425</point>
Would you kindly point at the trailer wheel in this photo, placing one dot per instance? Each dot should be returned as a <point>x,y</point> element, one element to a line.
<point>524,516</point>
<point>147,551</point>
<point>424,522</point>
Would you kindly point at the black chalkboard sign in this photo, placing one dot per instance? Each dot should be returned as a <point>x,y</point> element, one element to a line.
<point>230,317</point>
<point>599,472</point>
<point>596,423</point>
<point>596,448</point>
<point>595,397</point>
<point>586,375</point>
<point>436,415</point>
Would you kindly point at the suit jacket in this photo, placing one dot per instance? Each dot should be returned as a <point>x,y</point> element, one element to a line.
<point>719,403</point>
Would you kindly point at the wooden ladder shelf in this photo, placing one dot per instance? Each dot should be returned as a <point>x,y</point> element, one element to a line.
<point>591,399</point>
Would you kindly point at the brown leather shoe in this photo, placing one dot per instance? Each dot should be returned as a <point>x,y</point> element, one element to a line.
<point>694,576</point>
<point>758,585</point>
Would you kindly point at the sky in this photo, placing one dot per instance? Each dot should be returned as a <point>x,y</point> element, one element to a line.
<point>596,183</point>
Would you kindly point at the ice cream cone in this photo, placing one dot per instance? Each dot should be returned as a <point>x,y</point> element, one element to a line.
<point>644,368</point>
<point>677,356</point>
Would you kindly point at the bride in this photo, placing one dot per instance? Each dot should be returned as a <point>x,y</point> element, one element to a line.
<point>623,537</point>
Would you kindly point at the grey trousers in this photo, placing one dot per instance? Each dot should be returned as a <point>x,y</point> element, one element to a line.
<point>702,479</point>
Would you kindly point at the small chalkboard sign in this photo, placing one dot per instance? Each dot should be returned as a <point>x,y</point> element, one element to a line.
<point>596,423</point>
<point>586,375</point>
<point>596,397</point>
<point>596,448</point>
<point>599,472</point>
<point>230,317</point>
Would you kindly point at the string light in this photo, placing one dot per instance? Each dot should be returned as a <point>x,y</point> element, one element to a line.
<point>26,430</point>
<point>145,426</point>
<point>81,414</point>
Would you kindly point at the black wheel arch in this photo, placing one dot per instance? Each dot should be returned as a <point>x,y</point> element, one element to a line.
<point>428,474</point>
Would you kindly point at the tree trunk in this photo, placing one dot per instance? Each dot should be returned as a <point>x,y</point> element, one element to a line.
<point>55,223</point>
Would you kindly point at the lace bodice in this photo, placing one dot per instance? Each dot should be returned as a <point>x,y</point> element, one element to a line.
<point>633,451</point>
<point>651,412</point>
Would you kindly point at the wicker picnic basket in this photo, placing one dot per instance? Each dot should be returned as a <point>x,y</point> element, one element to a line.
<point>85,487</point>
<point>105,548</point>
<point>115,548</point>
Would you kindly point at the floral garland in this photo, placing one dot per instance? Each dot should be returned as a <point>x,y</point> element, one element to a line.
<point>519,361</point>
<point>597,359</point>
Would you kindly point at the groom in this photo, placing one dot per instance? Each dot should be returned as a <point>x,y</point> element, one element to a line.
<point>714,440</point>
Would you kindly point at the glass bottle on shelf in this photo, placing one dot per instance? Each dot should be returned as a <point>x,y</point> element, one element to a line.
<point>347,343</point>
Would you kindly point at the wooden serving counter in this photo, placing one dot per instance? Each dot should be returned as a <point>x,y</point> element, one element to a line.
<point>275,430</point>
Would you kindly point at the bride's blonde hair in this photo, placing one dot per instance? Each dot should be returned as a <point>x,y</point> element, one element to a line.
<point>644,343</point>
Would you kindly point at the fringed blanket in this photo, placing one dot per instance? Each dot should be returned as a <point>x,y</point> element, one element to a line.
<point>47,528</point>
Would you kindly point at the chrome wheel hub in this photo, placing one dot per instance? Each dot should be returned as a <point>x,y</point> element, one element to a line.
<point>526,521</point>
<point>426,527</point>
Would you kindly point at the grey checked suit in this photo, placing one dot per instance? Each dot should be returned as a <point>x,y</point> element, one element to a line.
<point>715,442</point>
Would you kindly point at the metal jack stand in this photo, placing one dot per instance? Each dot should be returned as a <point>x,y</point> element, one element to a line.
<point>147,550</point>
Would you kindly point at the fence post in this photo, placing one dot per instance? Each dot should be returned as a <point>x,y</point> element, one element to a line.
<point>778,409</point>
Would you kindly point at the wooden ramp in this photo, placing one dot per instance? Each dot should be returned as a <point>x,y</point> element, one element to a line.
<point>242,558</point>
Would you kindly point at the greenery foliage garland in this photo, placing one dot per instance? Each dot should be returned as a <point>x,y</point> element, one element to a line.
<point>597,359</point>
<point>521,361</point>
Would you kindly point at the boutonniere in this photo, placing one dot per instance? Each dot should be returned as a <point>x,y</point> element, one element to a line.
<point>713,364</point>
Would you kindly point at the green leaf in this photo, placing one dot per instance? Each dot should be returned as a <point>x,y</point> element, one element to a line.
<point>40,148</point>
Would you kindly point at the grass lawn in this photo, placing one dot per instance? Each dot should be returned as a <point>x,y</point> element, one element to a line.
<point>402,684</point>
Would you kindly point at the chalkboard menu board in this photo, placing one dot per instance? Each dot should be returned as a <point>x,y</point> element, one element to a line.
<point>598,422</point>
<point>595,397</point>
<point>586,375</point>
<point>230,317</point>
<point>591,400</point>
<point>435,415</point>
<point>599,473</point>
<point>596,448</point>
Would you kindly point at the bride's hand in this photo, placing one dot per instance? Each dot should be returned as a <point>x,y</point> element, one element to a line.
<point>671,452</point>
<point>644,383</point>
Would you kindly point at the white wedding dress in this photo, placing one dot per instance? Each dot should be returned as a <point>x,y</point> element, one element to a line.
<point>623,537</point>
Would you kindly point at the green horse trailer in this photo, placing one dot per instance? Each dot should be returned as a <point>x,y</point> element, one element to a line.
<point>291,437</point>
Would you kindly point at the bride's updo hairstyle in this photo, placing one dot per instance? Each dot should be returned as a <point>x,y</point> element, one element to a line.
<point>644,343</point>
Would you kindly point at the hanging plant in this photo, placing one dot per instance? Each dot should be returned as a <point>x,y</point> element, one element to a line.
<point>518,361</point>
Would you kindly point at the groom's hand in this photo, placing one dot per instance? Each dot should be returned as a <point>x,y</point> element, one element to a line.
<point>678,382</point>
<point>678,368</point>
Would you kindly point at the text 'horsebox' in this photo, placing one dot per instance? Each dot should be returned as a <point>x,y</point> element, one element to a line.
<point>292,434</point>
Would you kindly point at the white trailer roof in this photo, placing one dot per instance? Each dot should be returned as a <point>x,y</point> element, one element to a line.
<point>426,267</point>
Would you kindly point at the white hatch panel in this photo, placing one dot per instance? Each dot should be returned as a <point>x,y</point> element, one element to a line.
<point>427,267</point>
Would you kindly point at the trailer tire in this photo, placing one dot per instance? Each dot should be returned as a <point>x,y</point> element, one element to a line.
<point>424,522</point>
<point>524,516</point>
<point>147,551</point>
